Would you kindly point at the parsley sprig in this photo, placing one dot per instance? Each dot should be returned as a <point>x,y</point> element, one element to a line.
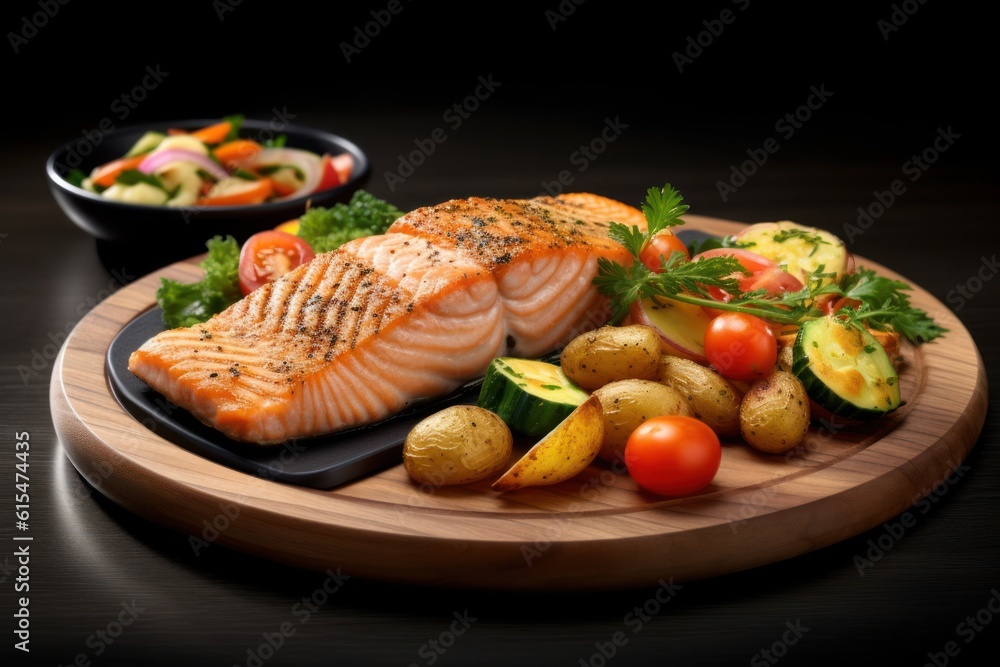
<point>872,300</point>
<point>663,208</point>
<point>885,305</point>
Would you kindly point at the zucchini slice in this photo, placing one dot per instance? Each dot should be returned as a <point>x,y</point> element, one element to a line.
<point>530,395</point>
<point>146,143</point>
<point>845,369</point>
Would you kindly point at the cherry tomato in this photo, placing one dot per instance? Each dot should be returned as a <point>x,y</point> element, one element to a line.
<point>664,243</point>
<point>269,254</point>
<point>673,455</point>
<point>741,346</point>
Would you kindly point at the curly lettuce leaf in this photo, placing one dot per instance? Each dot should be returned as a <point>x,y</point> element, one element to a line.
<point>187,304</point>
<point>327,228</point>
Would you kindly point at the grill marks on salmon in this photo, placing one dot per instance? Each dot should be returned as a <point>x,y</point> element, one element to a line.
<point>383,322</point>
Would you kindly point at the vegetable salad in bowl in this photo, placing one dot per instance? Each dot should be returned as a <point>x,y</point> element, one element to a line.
<point>214,166</point>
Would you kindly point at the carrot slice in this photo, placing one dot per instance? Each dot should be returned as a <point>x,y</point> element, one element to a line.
<point>106,174</point>
<point>236,152</point>
<point>253,192</point>
<point>213,134</point>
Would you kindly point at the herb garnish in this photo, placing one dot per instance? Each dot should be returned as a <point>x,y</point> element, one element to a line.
<point>878,302</point>
<point>885,305</point>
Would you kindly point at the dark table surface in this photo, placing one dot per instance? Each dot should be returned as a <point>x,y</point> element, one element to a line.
<point>882,91</point>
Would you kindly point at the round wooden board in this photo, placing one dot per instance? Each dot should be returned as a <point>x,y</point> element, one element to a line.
<point>596,531</point>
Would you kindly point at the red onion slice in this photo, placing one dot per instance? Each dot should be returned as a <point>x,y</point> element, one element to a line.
<point>156,160</point>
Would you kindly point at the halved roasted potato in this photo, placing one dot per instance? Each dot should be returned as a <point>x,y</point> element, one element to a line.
<point>562,454</point>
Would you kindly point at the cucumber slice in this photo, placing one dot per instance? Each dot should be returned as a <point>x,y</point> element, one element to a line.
<point>530,395</point>
<point>845,369</point>
<point>146,143</point>
<point>798,249</point>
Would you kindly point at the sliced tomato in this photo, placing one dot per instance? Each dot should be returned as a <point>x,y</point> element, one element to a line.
<point>268,255</point>
<point>750,261</point>
<point>344,164</point>
<point>773,281</point>
<point>336,170</point>
<point>330,177</point>
<point>835,303</point>
<point>761,273</point>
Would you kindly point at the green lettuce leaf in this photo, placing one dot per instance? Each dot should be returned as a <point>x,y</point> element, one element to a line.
<point>187,304</point>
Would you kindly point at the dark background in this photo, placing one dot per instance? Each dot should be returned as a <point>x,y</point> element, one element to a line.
<point>558,86</point>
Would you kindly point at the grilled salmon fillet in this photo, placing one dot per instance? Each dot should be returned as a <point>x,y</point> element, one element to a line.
<point>387,321</point>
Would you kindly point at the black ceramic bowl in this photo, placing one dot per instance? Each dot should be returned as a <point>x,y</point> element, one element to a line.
<point>123,224</point>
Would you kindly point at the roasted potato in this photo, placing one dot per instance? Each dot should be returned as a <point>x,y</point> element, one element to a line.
<point>627,403</point>
<point>564,453</point>
<point>774,414</point>
<point>785,356</point>
<point>611,353</point>
<point>713,399</point>
<point>457,445</point>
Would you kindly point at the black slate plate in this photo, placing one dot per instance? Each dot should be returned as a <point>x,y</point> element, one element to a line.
<point>322,462</point>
